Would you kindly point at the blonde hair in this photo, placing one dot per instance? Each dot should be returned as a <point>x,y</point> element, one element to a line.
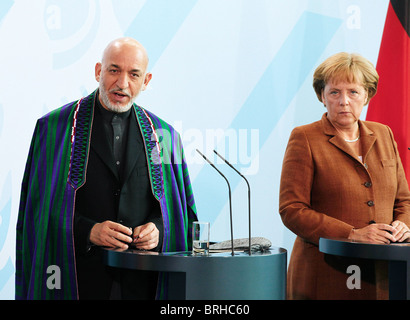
<point>349,67</point>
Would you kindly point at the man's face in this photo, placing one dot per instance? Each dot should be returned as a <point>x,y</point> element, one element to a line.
<point>121,76</point>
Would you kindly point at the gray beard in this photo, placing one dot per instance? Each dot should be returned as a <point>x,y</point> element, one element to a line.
<point>113,107</point>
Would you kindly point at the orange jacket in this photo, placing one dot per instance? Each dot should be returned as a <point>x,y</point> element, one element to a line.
<point>326,191</point>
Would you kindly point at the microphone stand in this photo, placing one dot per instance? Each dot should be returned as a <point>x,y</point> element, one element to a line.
<point>230,198</point>
<point>249,195</point>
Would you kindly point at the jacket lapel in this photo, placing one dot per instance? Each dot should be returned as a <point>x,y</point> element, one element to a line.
<point>134,146</point>
<point>367,138</point>
<point>99,143</point>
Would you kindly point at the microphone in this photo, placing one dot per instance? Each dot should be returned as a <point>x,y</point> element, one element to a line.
<point>249,195</point>
<point>230,198</point>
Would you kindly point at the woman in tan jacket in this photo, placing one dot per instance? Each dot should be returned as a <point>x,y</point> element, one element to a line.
<point>342,178</point>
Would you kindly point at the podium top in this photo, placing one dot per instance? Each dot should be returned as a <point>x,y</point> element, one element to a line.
<point>182,261</point>
<point>356,249</point>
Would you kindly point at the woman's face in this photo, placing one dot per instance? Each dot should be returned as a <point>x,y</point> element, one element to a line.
<point>344,102</point>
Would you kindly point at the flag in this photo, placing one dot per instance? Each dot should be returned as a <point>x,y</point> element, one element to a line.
<point>391,104</point>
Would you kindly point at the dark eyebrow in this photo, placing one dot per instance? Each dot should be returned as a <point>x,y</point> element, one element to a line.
<point>136,71</point>
<point>114,65</point>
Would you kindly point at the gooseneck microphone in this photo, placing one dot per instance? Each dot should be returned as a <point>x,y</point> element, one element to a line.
<point>230,197</point>
<point>249,195</point>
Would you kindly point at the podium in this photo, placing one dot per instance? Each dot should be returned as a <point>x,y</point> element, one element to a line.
<point>397,255</point>
<point>218,276</point>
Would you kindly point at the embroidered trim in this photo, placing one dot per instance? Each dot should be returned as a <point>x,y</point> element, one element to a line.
<point>80,141</point>
<point>153,151</point>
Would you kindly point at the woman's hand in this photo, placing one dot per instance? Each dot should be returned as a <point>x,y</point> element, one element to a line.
<point>374,233</point>
<point>402,232</point>
<point>381,233</point>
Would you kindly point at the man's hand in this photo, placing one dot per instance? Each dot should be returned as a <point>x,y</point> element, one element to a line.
<point>146,237</point>
<point>111,234</point>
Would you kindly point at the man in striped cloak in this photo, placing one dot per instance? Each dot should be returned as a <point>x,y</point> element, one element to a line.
<point>90,183</point>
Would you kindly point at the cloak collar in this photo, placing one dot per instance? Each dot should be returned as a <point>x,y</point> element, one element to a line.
<point>80,144</point>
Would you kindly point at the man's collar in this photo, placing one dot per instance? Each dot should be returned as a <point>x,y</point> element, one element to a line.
<point>108,114</point>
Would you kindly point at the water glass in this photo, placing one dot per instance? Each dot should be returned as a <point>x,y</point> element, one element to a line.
<point>200,238</point>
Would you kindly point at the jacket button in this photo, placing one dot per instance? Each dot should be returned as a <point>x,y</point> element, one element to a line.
<point>370,203</point>
<point>117,192</point>
<point>367,184</point>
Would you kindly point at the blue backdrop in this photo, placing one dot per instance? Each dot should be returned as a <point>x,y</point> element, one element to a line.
<point>232,75</point>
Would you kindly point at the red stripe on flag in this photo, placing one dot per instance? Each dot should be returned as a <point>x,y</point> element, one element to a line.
<point>391,104</point>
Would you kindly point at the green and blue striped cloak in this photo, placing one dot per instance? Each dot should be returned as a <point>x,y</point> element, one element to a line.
<point>56,168</point>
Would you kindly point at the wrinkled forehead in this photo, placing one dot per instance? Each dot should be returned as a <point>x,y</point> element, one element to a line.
<point>127,56</point>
